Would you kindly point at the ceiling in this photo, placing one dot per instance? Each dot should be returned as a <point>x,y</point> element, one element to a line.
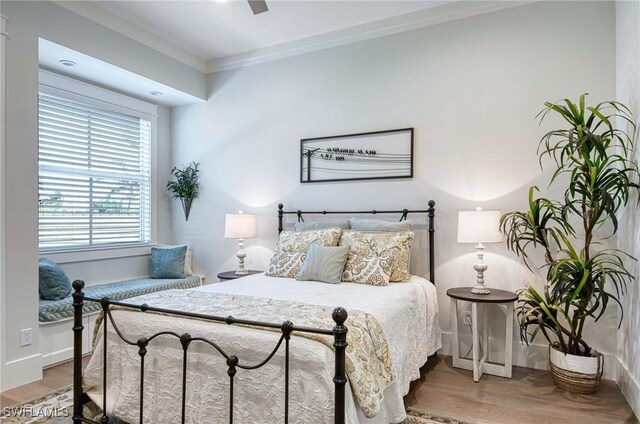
<point>215,29</point>
<point>215,35</point>
<point>95,71</point>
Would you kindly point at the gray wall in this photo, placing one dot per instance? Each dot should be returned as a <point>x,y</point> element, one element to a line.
<point>27,21</point>
<point>470,88</point>
<point>628,87</point>
<point>21,188</point>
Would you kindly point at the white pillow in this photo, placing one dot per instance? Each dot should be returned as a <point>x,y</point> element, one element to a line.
<point>188,261</point>
<point>188,257</point>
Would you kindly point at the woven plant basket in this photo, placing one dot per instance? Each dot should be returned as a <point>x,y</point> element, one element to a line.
<point>576,374</point>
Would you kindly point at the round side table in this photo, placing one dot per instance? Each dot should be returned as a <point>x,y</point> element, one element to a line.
<point>231,275</point>
<point>480,365</point>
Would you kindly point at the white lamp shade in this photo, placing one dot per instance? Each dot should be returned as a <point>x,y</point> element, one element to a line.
<point>240,226</point>
<point>479,227</point>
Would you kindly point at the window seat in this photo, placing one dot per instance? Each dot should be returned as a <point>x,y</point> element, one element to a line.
<point>57,310</point>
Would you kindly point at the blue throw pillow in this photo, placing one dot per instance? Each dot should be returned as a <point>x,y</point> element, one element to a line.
<point>324,264</point>
<point>54,283</point>
<point>168,262</point>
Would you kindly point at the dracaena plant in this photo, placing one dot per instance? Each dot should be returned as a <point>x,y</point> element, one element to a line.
<point>594,161</point>
<point>185,181</point>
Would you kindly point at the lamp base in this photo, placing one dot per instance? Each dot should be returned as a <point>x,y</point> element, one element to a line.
<point>480,289</point>
<point>241,255</point>
<point>480,267</point>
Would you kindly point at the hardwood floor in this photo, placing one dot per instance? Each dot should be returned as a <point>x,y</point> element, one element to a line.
<point>54,378</point>
<point>529,398</point>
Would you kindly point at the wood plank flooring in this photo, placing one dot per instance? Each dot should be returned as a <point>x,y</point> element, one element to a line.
<point>54,378</point>
<point>529,398</point>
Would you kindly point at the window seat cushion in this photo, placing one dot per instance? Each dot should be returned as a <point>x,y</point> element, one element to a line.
<point>56,310</point>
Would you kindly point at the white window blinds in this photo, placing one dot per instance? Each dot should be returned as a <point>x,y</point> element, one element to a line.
<point>94,175</point>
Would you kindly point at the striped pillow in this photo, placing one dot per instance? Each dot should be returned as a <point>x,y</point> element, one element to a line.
<point>379,226</point>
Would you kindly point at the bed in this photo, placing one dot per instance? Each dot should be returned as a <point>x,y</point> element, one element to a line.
<point>301,377</point>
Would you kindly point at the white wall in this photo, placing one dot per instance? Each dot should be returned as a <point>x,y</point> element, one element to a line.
<point>470,88</point>
<point>3,38</point>
<point>27,21</point>
<point>628,91</point>
<point>21,207</point>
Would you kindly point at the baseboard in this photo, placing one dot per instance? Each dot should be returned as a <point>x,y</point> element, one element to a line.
<point>534,355</point>
<point>22,371</point>
<point>55,358</point>
<point>630,387</point>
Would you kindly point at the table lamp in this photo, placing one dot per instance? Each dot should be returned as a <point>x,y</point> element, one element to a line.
<point>479,227</point>
<point>240,226</point>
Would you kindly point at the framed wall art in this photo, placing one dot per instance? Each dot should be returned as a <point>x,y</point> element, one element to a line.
<point>364,156</point>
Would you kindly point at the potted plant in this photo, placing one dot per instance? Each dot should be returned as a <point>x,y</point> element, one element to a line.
<point>594,161</point>
<point>184,185</point>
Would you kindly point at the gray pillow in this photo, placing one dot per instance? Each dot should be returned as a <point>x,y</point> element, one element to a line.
<point>324,264</point>
<point>54,283</point>
<point>168,262</point>
<point>321,225</point>
<point>379,226</point>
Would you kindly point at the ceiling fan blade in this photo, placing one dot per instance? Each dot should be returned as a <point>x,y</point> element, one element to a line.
<point>258,6</point>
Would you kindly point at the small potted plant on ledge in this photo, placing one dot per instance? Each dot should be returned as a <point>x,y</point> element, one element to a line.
<point>595,162</point>
<point>184,185</point>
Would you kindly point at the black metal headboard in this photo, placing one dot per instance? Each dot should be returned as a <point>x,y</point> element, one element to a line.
<point>431,213</point>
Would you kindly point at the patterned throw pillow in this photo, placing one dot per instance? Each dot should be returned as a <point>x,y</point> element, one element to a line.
<point>285,264</point>
<point>292,248</point>
<point>368,269</point>
<point>54,283</point>
<point>299,241</point>
<point>188,258</point>
<point>168,262</point>
<point>397,245</point>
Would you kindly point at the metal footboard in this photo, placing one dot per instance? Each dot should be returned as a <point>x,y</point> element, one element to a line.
<point>339,333</point>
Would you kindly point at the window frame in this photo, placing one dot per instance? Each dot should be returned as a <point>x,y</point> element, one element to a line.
<point>59,85</point>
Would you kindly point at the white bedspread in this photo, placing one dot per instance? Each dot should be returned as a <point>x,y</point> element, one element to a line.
<point>407,312</point>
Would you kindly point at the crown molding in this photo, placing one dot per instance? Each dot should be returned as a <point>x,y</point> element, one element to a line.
<point>127,28</point>
<point>393,25</point>
<point>427,17</point>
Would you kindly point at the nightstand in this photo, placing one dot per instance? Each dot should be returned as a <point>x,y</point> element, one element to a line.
<point>231,275</point>
<point>504,300</point>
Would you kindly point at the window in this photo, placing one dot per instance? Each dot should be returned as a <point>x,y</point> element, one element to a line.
<point>94,173</point>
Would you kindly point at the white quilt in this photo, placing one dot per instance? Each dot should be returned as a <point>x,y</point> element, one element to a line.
<point>407,312</point>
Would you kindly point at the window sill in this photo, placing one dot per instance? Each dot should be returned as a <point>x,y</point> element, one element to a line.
<point>97,253</point>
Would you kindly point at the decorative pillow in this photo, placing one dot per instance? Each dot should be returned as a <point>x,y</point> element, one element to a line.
<point>397,245</point>
<point>321,225</point>
<point>54,283</point>
<point>285,264</point>
<point>188,261</point>
<point>188,258</point>
<point>168,262</point>
<point>324,264</point>
<point>368,269</point>
<point>299,242</point>
<point>379,226</point>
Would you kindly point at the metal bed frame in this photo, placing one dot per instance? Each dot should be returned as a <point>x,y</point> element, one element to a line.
<point>430,211</point>
<point>286,328</point>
